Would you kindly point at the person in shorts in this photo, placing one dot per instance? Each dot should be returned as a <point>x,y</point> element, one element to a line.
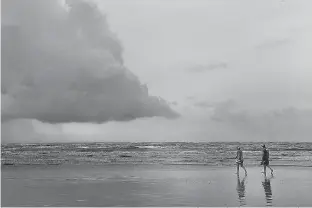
<point>265,159</point>
<point>240,160</point>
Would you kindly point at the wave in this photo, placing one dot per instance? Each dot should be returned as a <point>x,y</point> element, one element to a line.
<point>152,153</point>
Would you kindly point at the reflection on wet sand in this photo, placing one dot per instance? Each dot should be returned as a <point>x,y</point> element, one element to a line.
<point>240,188</point>
<point>267,190</point>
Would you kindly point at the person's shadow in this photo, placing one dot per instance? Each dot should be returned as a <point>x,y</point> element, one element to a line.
<point>267,190</point>
<point>240,188</point>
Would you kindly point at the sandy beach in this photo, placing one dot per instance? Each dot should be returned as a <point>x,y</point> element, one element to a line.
<point>153,185</point>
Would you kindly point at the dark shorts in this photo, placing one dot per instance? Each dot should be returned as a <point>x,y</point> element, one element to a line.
<point>240,162</point>
<point>265,162</point>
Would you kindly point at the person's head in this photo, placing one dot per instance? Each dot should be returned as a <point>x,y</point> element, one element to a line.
<point>263,146</point>
<point>238,148</point>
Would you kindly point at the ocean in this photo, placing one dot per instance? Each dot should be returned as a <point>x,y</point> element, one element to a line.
<point>168,153</point>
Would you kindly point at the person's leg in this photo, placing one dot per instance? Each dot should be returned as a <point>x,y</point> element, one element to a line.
<point>242,165</point>
<point>264,169</point>
<point>270,169</point>
<point>237,168</point>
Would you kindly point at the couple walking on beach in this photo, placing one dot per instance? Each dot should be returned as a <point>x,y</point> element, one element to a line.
<point>265,160</point>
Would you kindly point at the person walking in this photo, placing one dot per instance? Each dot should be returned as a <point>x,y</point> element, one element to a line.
<point>265,160</point>
<point>240,160</point>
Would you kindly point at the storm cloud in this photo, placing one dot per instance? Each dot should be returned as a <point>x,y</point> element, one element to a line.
<point>62,63</point>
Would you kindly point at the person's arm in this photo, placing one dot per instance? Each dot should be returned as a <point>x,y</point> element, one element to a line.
<point>262,159</point>
<point>264,152</point>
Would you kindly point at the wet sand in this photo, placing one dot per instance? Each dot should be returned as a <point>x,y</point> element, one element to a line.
<point>152,185</point>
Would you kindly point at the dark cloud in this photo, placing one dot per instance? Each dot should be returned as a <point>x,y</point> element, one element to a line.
<point>203,68</point>
<point>64,64</point>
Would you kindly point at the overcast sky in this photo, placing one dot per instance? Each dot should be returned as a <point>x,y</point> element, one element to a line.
<point>156,70</point>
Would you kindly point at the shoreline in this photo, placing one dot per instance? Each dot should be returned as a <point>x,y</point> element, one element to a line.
<point>151,164</point>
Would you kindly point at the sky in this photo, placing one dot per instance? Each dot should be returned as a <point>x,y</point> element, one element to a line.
<point>105,70</point>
